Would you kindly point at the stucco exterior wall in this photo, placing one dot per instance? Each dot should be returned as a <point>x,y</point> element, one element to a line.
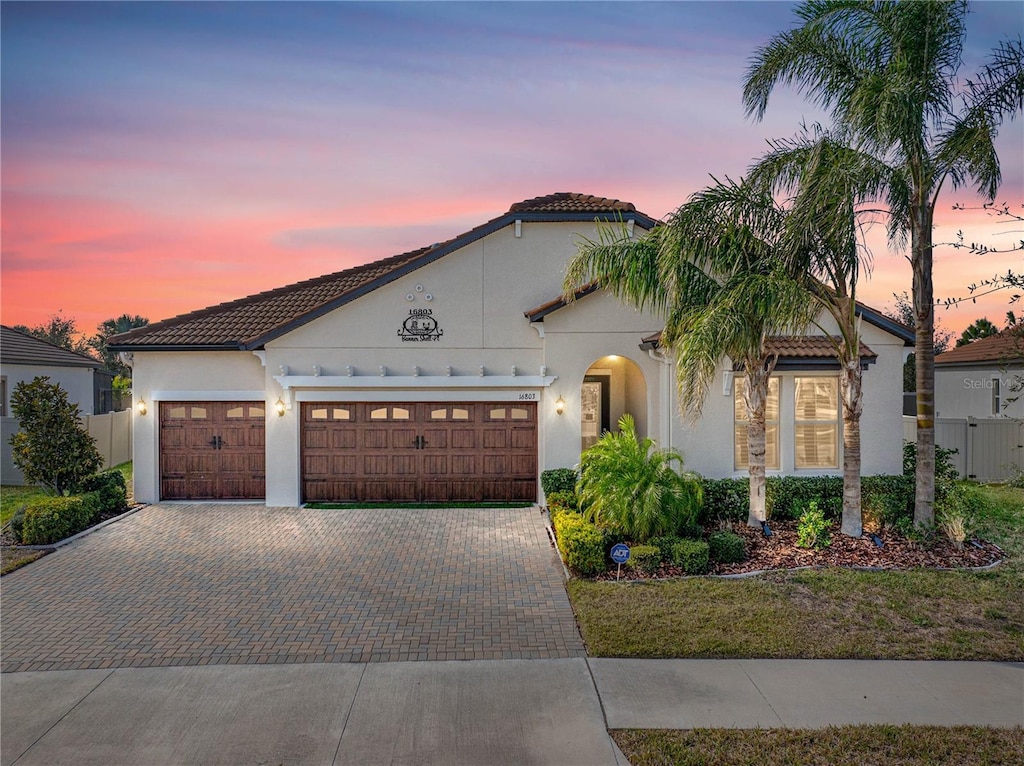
<point>972,391</point>
<point>184,376</point>
<point>77,381</point>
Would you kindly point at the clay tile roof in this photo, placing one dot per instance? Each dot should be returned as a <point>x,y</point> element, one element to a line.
<point>808,347</point>
<point>568,202</point>
<point>538,313</point>
<point>789,346</point>
<point>18,348</point>
<point>243,322</point>
<point>250,322</point>
<point>1003,348</point>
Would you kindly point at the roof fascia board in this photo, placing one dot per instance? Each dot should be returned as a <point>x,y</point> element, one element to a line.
<point>885,323</point>
<point>562,303</point>
<point>180,347</point>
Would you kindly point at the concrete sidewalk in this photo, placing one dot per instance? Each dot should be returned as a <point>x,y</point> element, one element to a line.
<point>473,712</point>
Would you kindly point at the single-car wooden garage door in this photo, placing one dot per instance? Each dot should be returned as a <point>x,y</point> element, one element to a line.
<point>212,450</point>
<point>388,451</point>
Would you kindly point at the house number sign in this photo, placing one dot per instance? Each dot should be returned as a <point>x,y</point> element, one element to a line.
<point>420,326</point>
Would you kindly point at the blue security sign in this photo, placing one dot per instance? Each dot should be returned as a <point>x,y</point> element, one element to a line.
<point>620,553</point>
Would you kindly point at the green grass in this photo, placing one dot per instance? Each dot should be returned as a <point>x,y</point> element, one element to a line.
<point>835,745</point>
<point>12,498</point>
<point>832,613</point>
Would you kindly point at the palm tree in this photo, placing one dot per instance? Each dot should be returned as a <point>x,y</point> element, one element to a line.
<point>887,73</point>
<point>108,329</point>
<point>829,182</point>
<point>713,274</point>
<point>976,330</point>
<point>629,485</point>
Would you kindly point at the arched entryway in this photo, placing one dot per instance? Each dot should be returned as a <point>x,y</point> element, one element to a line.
<point>613,385</point>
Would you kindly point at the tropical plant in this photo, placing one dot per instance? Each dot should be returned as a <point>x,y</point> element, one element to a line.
<point>51,448</point>
<point>830,183</point>
<point>887,72</point>
<point>713,274</point>
<point>812,529</point>
<point>976,330</point>
<point>108,329</point>
<point>626,483</point>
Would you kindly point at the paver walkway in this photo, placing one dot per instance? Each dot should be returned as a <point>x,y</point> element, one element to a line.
<point>241,584</point>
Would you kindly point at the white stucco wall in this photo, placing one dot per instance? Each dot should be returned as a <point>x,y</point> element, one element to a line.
<point>184,376</point>
<point>77,381</point>
<point>970,391</point>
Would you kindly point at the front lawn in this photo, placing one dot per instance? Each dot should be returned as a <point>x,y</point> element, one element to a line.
<point>836,745</point>
<point>828,613</point>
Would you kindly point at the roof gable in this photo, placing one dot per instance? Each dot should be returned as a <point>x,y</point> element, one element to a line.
<point>18,348</point>
<point>250,322</point>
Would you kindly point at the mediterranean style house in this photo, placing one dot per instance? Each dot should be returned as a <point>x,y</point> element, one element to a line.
<point>457,372</point>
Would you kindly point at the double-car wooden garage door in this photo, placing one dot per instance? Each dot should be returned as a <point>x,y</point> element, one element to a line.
<point>468,451</point>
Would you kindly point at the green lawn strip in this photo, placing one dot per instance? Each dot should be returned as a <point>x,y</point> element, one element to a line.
<point>12,498</point>
<point>836,745</point>
<point>822,614</point>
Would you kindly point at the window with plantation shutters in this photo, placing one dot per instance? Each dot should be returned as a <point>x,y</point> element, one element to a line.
<point>771,412</point>
<point>816,427</point>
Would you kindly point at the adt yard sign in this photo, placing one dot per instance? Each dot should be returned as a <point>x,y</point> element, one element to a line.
<point>620,555</point>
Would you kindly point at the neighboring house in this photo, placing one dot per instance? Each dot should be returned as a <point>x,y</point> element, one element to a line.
<point>456,372</point>
<point>24,358</point>
<point>983,379</point>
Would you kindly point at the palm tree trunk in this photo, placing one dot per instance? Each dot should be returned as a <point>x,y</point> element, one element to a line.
<point>755,396</point>
<point>924,350</point>
<point>851,391</point>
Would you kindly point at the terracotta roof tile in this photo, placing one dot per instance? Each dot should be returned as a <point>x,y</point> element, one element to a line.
<point>567,202</point>
<point>791,346</point>
<point>1002,348</point>
<point>249,322</point>
<point>537,313</point>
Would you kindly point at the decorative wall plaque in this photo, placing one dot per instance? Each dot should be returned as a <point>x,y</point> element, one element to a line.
<point>420,326</point>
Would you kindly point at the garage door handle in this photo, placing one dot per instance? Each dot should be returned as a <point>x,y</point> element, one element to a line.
<point>215,442</point>
<point>419,442</point>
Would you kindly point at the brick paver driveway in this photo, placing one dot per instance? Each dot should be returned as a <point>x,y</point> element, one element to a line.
<point>216,584</point>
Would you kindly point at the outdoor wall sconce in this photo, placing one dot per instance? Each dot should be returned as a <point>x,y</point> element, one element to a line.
<point>279,408</point>
<point>559,405</point>
<point>140,407</point>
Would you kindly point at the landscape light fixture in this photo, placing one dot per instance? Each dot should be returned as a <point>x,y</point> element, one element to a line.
<point>559,405</point>
<point>140,406</point>
<point>279,407</point>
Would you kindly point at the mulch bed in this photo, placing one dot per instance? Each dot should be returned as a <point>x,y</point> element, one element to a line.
<point>781,552</point>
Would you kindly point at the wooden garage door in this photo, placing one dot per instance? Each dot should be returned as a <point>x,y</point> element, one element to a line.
<point>212,450</point>
<point>467,451</point>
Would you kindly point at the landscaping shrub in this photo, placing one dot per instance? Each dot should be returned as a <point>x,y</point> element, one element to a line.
<point>725,500</point>
<point>787,496</point>
<point>580,542</point>
<point>17,523</point>
<point>813,528</point>
<point>51,448</point>
<point>944,468</point>
<point>664,545</point>
<point>957,510</point>
<point>111,491</point>
<point>563,500</point>
<point>628,484</point>
<point>645,558</point>
<point>558,480</point>
<point>887,499</point>
<point>691,555</point>
<point>726,547</point>
<point>49,519</point>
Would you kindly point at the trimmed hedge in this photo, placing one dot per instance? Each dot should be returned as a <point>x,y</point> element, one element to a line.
<point>112,491</point>
<point>563,500</point>
<point>580,542</point>
<point>558,480</point>
<point>691,555</point>
<point>726,547</point>
<point>787,496</point>
<point>645,558</point>
<point>49,519</point>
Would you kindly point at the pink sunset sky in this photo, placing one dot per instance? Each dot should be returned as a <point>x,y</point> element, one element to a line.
<point>160,158</point>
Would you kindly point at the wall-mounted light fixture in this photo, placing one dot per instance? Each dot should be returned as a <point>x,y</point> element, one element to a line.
<point>140,406</point>
<point>279,407</point>
<point>559,405</point>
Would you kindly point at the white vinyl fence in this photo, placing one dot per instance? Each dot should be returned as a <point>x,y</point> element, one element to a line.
<point>112,432</point>
<point>988,449</point>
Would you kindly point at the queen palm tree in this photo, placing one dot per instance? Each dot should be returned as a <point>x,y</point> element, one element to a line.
<point>887,72</point>
<point>829,184</point>
<point>713,274</point>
